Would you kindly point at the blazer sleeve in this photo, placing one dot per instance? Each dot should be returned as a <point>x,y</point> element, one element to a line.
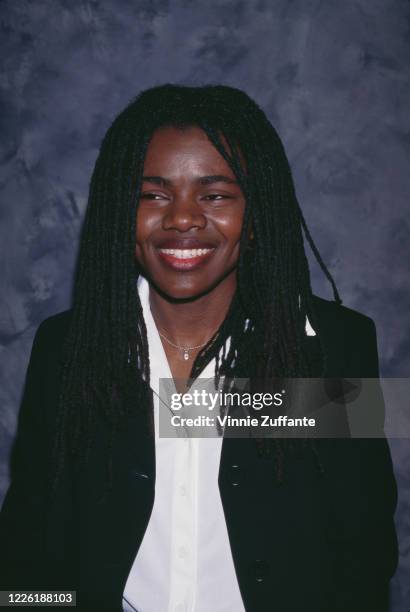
<point>363,493</point>
<point>23,514</point>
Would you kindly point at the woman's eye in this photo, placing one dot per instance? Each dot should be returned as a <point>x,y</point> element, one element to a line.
<point>215,196</point>
<point>151,196</point>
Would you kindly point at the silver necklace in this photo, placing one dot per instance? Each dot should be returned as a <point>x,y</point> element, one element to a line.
<point>185,349</point>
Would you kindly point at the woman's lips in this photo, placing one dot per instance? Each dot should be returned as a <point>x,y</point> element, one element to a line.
<point>185,259</point>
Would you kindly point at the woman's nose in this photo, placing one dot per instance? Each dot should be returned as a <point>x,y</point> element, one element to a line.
<point>183,213</point>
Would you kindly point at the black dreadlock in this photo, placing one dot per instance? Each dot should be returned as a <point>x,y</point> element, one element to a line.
<point>106,362</point>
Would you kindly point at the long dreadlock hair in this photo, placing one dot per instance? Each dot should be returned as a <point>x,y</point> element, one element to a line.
<point>106,370</point>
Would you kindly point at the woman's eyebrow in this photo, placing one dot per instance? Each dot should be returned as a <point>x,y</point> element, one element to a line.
<point>203,180</point>
<point>157,180</point>
<point>216,178</point>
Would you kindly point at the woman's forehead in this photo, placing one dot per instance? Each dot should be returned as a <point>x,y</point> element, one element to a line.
<point>185,144</point>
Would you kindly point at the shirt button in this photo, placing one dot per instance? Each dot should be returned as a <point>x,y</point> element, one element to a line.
<point>235,475</point>
<point>260,570</point>
<point>182,552</point>
<point>182,490</point>
<point>142,475</point>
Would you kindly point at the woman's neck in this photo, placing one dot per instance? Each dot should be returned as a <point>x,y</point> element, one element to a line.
<point>190,323</point>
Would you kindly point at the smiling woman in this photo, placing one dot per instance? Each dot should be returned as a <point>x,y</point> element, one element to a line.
<point>199,207</point>
<point>189,225</point>
<point>192,264</point>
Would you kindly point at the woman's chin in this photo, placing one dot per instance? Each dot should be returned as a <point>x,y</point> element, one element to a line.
<point>182,290</point>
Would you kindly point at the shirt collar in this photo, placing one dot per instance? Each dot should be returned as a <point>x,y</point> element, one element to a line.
<point>159,366</point>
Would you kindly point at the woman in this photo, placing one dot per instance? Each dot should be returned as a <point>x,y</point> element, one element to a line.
<point>192,263</point>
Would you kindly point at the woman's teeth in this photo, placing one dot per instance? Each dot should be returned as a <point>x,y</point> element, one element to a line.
<point>185,253</point>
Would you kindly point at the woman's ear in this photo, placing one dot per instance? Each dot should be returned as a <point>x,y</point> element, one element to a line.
<point>250,243</point>
<point>250,232</point>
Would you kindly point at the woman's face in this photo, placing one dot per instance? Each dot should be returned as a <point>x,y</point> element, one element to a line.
<point>190,215</point>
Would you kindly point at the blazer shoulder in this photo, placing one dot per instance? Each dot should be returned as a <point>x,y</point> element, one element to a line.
<point>350,339</point>
<point>330,312</point>
<point>53,329</point>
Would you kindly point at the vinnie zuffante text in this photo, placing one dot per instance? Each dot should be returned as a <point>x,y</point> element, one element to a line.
<point>210,400</point>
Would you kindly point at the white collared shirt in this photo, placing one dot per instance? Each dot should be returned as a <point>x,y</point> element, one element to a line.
<point>184,563</point>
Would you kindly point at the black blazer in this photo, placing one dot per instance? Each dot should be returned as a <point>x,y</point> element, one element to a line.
<point>318,542</point>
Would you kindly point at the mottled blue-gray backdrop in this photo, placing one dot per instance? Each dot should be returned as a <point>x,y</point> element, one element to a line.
<point>334,79</point>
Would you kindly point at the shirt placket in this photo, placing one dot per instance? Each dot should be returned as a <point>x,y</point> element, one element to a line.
<point>184,527</point>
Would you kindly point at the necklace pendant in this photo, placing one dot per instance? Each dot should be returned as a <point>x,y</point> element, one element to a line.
<point>186,355</point>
